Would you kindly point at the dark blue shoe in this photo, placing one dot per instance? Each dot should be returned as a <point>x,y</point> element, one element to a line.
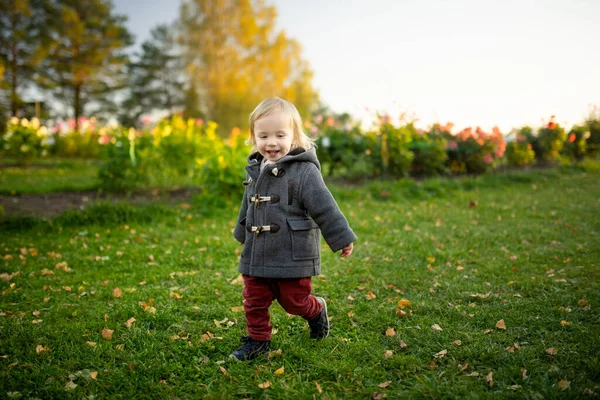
<point>319,326</point>
<point>251,349</point>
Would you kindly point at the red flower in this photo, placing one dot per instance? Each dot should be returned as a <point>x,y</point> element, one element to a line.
<point>572,137</point>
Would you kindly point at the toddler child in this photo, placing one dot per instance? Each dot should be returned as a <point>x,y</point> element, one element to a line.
<point>285,207</point>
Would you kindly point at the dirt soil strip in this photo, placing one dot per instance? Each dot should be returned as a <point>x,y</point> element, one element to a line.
<point>52,204</point>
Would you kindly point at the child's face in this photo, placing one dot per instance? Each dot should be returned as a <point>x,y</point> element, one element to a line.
<point>274,135</point>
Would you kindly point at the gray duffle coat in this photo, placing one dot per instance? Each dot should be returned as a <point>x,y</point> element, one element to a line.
<point>284,210</point>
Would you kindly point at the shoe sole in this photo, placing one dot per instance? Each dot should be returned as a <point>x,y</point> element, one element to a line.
<point>322,300</point>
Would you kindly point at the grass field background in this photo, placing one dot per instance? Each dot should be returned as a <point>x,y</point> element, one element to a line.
<point>458,288</point>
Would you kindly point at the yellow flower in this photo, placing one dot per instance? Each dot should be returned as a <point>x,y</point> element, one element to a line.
<point>43,131</point>
<point>35,123</point>
<point>131,135</point>
<point>14,121</point>
<point>25,123</point>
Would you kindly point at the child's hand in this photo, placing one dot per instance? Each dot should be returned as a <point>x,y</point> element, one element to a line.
<point>346,251</point>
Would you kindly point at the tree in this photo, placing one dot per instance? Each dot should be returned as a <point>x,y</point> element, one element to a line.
<point>86,62</point>
<point>155,78</point>
<point>22,46</point>
<point>237,58</point>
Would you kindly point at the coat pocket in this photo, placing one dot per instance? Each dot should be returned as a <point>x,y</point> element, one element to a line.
<point>305,239</point>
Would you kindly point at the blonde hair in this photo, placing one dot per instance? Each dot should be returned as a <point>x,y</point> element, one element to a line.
<point>275,104</point>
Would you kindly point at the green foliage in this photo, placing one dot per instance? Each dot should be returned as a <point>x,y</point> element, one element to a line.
<point>86,142</point>
<point>345,152</point>
<point>593,125</point>
<point>475,152</point>
<point>430,156</point>
<point>575,147</point>
<point>123,168</point>
<point>396,156</point>
<point>520,153</point>
<point>551,140</point>
<point>24,140</point>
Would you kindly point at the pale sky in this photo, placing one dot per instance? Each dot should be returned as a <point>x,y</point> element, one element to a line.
<point>472,62</point>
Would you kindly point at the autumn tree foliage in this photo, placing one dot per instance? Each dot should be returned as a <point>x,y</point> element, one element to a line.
<point>236,58</point>
<point>86,61</point>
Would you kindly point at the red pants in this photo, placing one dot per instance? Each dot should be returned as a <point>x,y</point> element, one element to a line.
<point>293,295</point>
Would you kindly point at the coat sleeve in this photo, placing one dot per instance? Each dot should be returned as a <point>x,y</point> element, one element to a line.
<point>322,207</point>
<point>239,232</point>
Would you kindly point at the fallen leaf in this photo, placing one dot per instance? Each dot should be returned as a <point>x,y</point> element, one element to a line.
<point>436,327</point>
<point>237,281</point>
<point>70,385</point>
<point>39,348</point>
<point>67,288</point>
<point>63,265</point>
<point>404,303</point>
<point>500,324</point>
<point>582,303</point>
<point>563,384</point>
<point>107,333</point>
<point>223,370</point>
<point>524,373</point>
<point>490,378</point>
<point>45,272</point>
<point>403,345</point>
<point>350,298</point>
<point>94,374</point>
<point>379,396</point>
<point>370,295</point>
<point>388,353</point>
<point>462,367</point>
<point>130,322</point>
<point>487,331</point>
<point>274,353</point>
<point>91,344</point>
<point>551,351</point>
<point>385,384</point>
<point>351,313</point>
<point>176,295</point>
<point>319,390</point>
<point>279,371</point>
<point>565,323</point>
<point>117,292</point>
<point>237,308</point>
<point>441,354</point>
<point>264,385</point>
<point>457,342</point>
<point>390,332</point>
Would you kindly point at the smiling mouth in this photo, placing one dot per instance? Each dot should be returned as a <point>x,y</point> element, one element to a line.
<point>272,152</point>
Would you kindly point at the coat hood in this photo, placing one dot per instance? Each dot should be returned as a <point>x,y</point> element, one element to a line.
<point>296,155</point>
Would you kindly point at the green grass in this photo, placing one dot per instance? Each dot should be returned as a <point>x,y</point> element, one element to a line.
<point>49,176</point>
<point>526,251</point>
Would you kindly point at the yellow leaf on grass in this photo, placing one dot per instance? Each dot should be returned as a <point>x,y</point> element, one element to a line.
<point>117,292</point>
<point>237,281</point>
<point>490,378</point>
<point>264,385</point>
<point>130,322</point>
<point>403,345</point>
<point>457,342</point>
<point>390,332</point>
<point>388,353</point>
<point>274,353</point>
<point>176,295</point>
<point>379,396</point>
<point>370,295</point>
<point>552,351</point>
<point>351,313</point>
<point>237,308</point>
<point>319,390</point>
<point>223,370</point>
<point>107,333</point>
<point>500,324</point>
<point>385,384</point>
<point>436,327</point>
<point>279,371</point>
<point>91,344</point>
<point>441,354</point>
<point>565,323</point>
<point>403,303</point>
<point>70,385</point>
<point>562,384</point>
<point>94,374</point>
<point>39,348</point>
